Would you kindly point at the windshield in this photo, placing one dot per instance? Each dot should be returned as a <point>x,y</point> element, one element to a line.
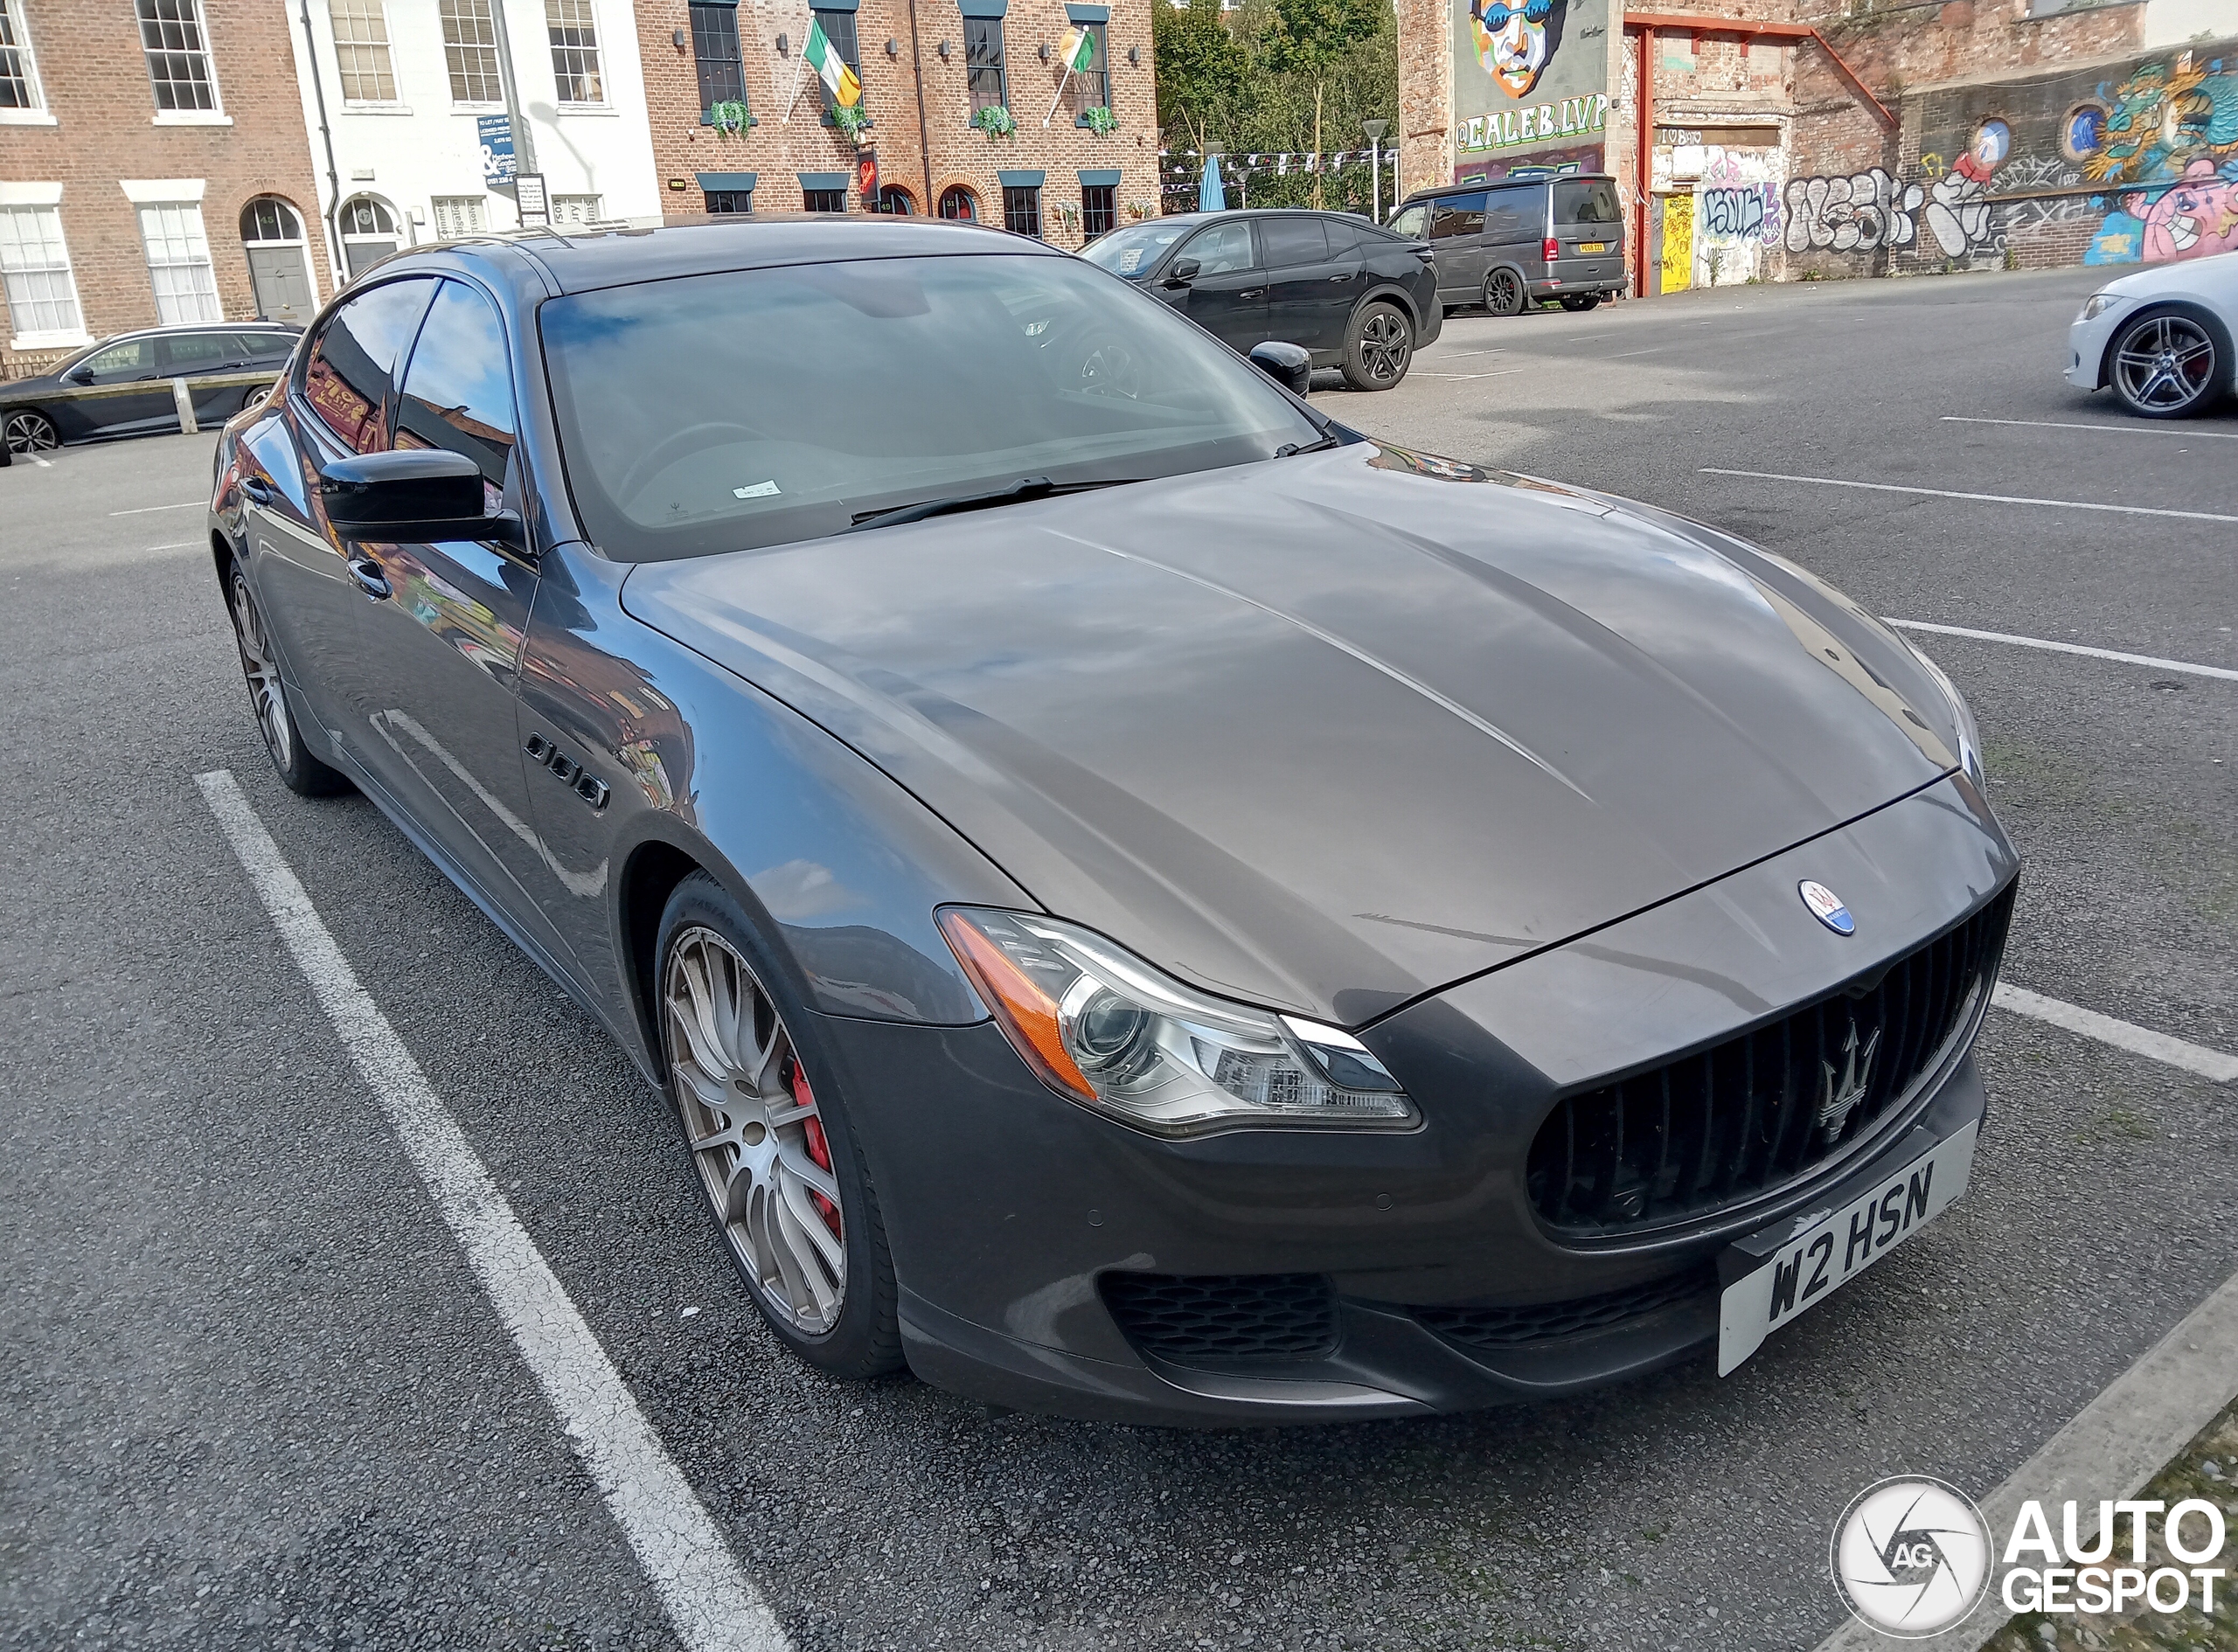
<point>752,407</point>
<point>1132,252</point>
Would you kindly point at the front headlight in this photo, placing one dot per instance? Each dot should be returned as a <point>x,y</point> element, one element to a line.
<point>2098,303</point>
<point>1970,736</point>
<point>1105,1029</point>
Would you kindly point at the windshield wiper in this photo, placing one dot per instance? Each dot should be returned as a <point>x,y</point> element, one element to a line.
<point>1023,488</point>
<point>1289,447</point>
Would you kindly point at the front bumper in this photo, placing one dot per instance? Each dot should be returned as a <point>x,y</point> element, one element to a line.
<point>1007,1206</point>
<point>2085,349</point>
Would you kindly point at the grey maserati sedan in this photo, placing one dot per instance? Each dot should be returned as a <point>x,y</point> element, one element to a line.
<point>1147,903</point>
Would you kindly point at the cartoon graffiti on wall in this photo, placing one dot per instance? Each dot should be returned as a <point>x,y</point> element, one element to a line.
<point>1513,42</point>
<point>1958,211</point>
<point>1527,74</point>
<point>2157,123</point>
<point>1855,214</point>
<point>2198,216</point>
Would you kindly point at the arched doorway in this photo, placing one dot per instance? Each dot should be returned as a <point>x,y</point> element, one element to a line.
<point>279,265</point>
<point>368,232</point>
<point>956,202</point>
<point>892,198</point>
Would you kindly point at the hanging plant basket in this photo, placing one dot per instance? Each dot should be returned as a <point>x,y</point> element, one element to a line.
<point>851,121</point>
<point>730,119</point>
<point>1101,121</point>
<point>996,122</point>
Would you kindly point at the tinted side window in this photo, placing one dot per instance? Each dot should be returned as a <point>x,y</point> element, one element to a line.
<point>1587,203</point>
<point>1223,247</point>
<point>1410,221</point>
<point>127,360</point>
<point>1517,214</point>
<point>1293,240</point>
<point>351,371</point>
<point>267,346</point>
<point>1452,215</point>
<point>197,353</point>
<point>458,394</point>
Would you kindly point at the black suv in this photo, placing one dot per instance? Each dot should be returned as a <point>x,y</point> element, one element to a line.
<point>1357,296</point>
<point>122,386</point>
<point>1507,245</point>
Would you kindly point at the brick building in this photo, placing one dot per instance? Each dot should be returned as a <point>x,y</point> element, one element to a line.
<point>153,169</point>
<point>928,70</point>
<point>1788,138</point>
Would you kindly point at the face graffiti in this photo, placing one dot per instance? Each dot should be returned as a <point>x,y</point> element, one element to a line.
<point>1514,42</point>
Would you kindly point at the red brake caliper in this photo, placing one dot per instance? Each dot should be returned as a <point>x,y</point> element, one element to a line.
<point>818,1147</point>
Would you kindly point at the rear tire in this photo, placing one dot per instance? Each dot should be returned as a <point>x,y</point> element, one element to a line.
<point>773,1153</point>
<point>1505,294</point>
<point>303,774</point>
<point>28,432</point>
<point>1580,302</point>
<point>2170,363</point>
<point>1378,345</point>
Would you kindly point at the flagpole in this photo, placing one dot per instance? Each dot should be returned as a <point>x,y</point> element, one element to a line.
<point>800,68</point>
<point>1063,81</point>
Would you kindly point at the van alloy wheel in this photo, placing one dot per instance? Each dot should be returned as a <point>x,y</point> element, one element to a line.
<point>1504,294</point>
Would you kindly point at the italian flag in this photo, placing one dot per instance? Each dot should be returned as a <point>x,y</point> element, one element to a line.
<point>1077,51</point>
<point>831,68</point>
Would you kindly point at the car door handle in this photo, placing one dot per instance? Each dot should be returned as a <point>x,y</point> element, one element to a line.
<point>367,573</point>
<point>258,490</point>
<point>1256,291</point>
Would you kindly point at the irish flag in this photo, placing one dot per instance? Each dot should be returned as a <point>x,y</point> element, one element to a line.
<point>1078,52</point>
<point>831,68</point>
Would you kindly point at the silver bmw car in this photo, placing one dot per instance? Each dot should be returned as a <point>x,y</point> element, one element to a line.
<point>1146,903</point>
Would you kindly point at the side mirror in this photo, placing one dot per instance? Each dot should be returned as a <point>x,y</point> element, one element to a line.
<point>1289,365</point>
<point>79,375</point>
<point>1184,271</point>
<point>411,498</point>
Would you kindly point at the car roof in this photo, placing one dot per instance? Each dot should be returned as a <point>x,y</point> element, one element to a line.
<point>579,260</point>
<point>1467,186</point>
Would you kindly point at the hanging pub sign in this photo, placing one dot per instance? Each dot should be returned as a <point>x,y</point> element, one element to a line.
<point>866,177</point>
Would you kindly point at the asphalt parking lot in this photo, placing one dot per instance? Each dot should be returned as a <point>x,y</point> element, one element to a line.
<point>256,1397</point>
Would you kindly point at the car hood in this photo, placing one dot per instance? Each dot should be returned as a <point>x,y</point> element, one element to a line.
<point>1330,731</point>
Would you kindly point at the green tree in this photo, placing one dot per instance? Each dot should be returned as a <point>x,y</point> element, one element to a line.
<point>1201,69</point>
<point>1312,38</point>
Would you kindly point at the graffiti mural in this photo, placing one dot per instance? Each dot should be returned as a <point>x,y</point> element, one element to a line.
<point>2157,122</point>
<point>1738,217</point>
<point>2199,217</point>
<point>1859,213</point>
<point>1959,212</point>
<point>1527,75</point>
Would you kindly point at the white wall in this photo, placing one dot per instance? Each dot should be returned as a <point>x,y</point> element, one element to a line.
<point>406,153</point>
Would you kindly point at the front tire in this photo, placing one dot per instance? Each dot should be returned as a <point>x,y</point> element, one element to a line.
<point>775,1156</point>
<point>2169,364</point>
<point>30,432</point>
<point>1378,344</point>
<point>303,774</point>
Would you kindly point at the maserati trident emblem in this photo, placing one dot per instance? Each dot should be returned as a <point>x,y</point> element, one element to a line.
<point>1845,1091</point>
<point>1826,907</point>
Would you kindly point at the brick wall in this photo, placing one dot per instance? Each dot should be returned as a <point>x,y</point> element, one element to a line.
<point>95,81</point>
<point>960,155</point>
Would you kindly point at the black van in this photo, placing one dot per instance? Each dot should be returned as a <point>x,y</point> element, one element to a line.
<point>1506,245</point>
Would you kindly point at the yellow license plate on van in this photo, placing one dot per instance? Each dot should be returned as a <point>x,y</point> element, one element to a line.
<point>1593,247</point>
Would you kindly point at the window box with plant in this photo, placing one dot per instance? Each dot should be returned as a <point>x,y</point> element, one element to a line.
<point>996,122</point>
<point>1100,120</point>
<point>730,118</point>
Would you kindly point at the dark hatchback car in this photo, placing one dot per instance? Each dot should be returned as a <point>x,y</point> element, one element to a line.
<point>1145,902</point>
<point>1357,296</point>
<point>1510,246</point>
<point>122,386</point>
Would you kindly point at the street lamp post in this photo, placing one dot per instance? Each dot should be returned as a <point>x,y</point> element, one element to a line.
<point>1375,130</point>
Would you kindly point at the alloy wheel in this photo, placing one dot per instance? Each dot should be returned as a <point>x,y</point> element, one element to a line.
<point>2165,363</point>
<point>1504,293</point>
<point>756,1133</point>
<point>1385,346</point>
<point>262,670</point>
<point>32,432</point>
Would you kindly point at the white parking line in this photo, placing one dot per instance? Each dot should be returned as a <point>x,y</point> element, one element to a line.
<point>710,1602</point>
<point>2153,661</point>
<point>1986,498</point>
<point>2192,1058</point>
<point>1423,372</point>
<point>142,510</point>
<point>2139,429</point>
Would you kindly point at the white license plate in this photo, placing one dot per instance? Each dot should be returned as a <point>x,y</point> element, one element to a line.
<point>1823,1250</point>
<point>1593,247</point>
